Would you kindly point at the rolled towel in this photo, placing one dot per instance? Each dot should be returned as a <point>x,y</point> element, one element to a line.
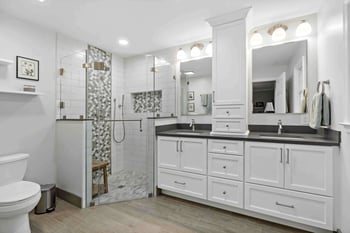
<point>316,111</point>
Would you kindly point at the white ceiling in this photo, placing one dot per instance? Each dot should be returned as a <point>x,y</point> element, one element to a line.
<point>149,25</point>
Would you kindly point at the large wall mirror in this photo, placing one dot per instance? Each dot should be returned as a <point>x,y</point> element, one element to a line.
<point>196,87</point>
<point>280,78</point>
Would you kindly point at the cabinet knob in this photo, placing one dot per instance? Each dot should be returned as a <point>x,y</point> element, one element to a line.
<point>224,147</point>
<point>227,126</point>
<point>224,192</point>
<point>224,167</point>
<point>228,112</point>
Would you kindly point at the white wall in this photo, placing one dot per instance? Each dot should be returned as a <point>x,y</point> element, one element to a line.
<point>331,63</point>
<point>27,124</point>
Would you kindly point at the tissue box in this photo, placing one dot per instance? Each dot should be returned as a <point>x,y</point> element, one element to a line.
<point>29,88</point>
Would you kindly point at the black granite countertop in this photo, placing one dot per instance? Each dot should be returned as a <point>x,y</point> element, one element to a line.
<point>289,138</point>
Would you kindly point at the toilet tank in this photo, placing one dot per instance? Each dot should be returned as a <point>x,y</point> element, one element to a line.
<point>12,168</point>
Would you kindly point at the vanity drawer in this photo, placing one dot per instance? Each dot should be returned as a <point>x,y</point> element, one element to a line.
<point>225,192</point>
<point>295,206</point>
<point>226,147</point>
<point>229,126</point>
<point>228,112</point>
<point>182,182</point>
<point>225,166</point>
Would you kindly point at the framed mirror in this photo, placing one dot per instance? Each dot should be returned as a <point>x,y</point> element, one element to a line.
<point>196,87</point>
<point>280,78</point>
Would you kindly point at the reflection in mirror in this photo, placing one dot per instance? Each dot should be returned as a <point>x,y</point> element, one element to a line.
<point>196,87</point>
<point>280,78</point>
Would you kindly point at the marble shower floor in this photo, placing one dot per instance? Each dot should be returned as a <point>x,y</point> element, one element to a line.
<point>122,186</point>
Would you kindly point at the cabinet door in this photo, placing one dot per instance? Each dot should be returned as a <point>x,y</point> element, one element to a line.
<point>264,163</point>
<point>193,156</point>
<point>309,169</point>
<point>168,152</point>
<point>229,63</point>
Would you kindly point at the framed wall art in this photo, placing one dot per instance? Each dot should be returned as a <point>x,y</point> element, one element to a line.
<point>27,68</point>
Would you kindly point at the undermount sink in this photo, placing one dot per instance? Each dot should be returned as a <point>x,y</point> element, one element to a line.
<point>281,136</point>
<point>189,132</point>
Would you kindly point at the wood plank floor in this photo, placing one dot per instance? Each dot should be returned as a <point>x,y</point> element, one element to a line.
<point>154,215</point>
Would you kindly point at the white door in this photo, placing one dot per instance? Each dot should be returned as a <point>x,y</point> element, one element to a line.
<point>280,94</point>
<point>193,156</point>
<point>264,163</point>
<point>229,63</point>
<point>168,152</point>
<point>309,169</point>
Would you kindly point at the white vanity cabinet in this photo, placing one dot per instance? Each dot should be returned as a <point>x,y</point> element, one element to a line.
<point>184,154</point>
<point>225,172</point>
<point>230,73</point>
<point>290,181</point>
<point>182,165</point>
<point>296,167</point>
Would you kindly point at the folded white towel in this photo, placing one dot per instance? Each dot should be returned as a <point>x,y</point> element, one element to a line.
<point>316,111</point>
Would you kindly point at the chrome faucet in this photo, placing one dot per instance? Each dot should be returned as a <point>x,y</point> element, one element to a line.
<point>192,124</point>
<point>280,127</point>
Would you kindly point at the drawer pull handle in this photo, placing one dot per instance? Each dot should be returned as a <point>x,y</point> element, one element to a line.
<point>224,167</point>
<point>224,192</point>
<point>281,159</point>
<point>287,156</point>
<point>288,206</point>
<point>177,182</point>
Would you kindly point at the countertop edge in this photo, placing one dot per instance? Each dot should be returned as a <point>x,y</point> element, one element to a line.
<point>247,138</point>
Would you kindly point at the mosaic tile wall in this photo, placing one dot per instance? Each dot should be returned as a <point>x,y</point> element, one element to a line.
<point>150,101</point>
<point>99,94</point>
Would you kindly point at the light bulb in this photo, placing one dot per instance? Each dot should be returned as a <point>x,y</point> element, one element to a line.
<point>303,29</point>
<point>209,49</point>
<point>195,51</point>
<point>279,34</point>
<point>181,54</point>
<point>256,39</point>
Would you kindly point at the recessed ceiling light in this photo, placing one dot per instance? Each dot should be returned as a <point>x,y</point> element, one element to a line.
<point>123,42</point>
<point>41,0</point>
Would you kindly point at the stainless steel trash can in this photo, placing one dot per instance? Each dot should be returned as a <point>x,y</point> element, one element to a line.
<point>47,201</point>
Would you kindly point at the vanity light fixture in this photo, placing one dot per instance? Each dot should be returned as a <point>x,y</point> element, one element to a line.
<point>278,32</point>
<point>303,29</point>
<point>181,54</point>
<point>196,50</point>
<point>209,49</point>
<point>256,39</point>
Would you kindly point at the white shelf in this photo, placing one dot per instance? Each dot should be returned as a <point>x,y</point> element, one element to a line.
<point>4,62</point>
<point>20,93</point>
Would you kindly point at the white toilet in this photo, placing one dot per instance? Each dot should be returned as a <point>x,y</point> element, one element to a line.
<point>17,197</point>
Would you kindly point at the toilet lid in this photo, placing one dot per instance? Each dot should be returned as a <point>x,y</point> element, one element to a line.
<point>18,191</point>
